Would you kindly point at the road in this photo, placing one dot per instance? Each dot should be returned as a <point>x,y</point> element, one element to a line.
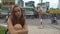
<point>36,22</point>
<point>46,23</point>
<point>34,26</point>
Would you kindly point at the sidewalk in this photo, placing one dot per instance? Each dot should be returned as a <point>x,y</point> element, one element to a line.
<point>37,30</point>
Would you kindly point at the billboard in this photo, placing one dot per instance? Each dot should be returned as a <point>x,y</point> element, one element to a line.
<point>47,3</point>
<point>47,7</point>
<point>29,12</point>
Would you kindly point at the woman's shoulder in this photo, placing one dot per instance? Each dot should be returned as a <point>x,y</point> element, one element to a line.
<point>24,17</point>
<point>9,19</point>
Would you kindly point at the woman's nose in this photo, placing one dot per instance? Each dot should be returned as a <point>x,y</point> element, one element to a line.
<point>18,12</point>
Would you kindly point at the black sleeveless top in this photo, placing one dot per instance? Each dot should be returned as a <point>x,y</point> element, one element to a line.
<point>14,22</point>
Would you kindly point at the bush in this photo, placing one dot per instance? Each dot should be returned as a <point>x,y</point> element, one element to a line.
<point>2,30</point>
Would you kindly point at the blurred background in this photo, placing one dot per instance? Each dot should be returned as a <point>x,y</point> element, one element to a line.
<point>32,8</point>
<point>43,16</point>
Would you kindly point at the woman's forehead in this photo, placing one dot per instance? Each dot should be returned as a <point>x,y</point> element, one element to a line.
<point>17,8</point>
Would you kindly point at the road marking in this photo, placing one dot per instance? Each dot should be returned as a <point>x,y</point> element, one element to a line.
<point>56,26</point>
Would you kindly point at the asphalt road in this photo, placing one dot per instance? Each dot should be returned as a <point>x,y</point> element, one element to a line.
<point>36,22</point>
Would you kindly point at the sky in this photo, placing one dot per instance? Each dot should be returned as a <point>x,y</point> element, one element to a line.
<point>53,3</point>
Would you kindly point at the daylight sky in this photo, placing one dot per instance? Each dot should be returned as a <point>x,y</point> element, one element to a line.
<point>53,3</point>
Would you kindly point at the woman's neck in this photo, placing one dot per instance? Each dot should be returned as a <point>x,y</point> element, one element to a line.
<point>18,18</point>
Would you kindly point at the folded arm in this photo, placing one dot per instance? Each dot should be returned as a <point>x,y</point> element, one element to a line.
<point>13,31</point>
<point>11,27</point>
<point>24,30</point>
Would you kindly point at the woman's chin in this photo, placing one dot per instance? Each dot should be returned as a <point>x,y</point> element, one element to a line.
<point>18,16</point>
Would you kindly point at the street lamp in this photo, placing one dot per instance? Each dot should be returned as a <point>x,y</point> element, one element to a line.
<point>41,2</point>
<point>41,6</point>
<point>40,16</point>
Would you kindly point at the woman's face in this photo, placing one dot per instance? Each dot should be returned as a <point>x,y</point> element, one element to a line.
<point>17,11</point>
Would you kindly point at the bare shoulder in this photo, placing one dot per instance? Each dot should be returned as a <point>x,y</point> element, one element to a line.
<point>9,20</point>
<point>24,17</point>
<point>25,20</point>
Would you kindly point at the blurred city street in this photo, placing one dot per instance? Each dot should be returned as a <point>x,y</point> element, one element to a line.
<point>34,26</point>
<point>34,11</point>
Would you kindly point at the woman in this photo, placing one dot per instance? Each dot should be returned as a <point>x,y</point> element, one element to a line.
<point>17,18</point>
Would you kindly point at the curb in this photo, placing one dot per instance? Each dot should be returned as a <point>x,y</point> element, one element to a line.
<point>3,25</point>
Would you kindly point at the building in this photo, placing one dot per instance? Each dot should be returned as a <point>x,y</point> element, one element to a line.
<point>7,4</point>
<point>47,7</point>
<point>30,4</point>
<point>0,8</point>
<point>44,7</point>
<point>59,4</point>
<point>29,8</point>
<point>0,5</point>
<point>41,7</point>
<point>21,3</point>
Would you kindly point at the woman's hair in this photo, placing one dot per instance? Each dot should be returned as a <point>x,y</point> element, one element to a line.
<point>14,18</point>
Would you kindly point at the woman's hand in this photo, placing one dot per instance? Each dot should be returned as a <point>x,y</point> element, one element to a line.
<point>18,27</point>
<point>14,32</point>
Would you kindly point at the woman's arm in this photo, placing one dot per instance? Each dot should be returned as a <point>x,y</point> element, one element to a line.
<point>10,26</point>
<point>25,29</point>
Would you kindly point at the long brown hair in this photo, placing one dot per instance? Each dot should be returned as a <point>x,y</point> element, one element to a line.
<point>14,18</point>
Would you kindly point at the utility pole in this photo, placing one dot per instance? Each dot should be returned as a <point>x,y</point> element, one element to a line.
<point>41,2</point>
<point>40,16</point>
<point>41,7</point>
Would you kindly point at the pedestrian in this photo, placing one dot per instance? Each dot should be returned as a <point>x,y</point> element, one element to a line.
<point>6,18</point>
<point>17,22</point>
